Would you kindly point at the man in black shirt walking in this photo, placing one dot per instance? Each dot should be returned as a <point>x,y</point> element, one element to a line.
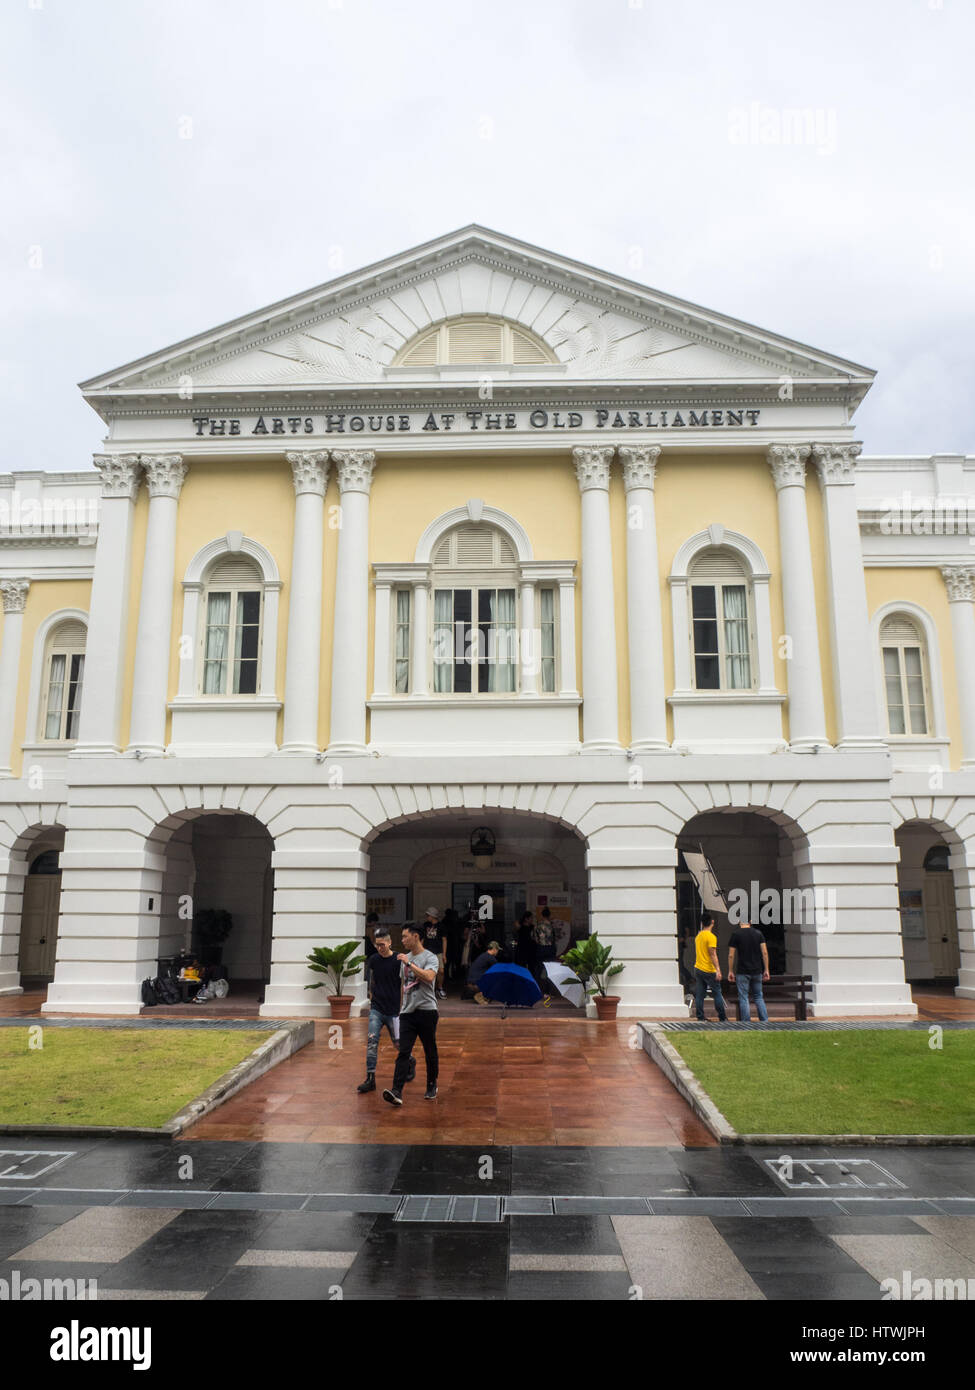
<point>747,950</point>
<point>382,975</point>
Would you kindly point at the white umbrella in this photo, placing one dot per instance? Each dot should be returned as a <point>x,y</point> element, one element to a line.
<point>566,981</point>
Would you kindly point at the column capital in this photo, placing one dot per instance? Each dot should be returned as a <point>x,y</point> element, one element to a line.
<point>592,462</point>
<point>120,474</point>
<point>309,470</point>
<point>164,474</point>
<point>836,462</point>
<point>14,593</point>
<point>960,582</point>
<point>788,464</point>
<point>355,469</point>
<point>639,465</point>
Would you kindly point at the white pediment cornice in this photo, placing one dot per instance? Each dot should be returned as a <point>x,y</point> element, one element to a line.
<point>601,328</point>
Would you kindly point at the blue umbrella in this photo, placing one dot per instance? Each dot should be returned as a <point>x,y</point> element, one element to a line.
<point>511,985</point>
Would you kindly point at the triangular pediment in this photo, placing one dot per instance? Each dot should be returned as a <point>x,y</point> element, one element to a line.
<point>599,327</point>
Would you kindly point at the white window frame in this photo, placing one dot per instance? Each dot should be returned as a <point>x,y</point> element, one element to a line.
<point>719,584</point>
<point>40,666</point>
<point>256,587</point>
<point>69,652</point>
<point>934,745</point>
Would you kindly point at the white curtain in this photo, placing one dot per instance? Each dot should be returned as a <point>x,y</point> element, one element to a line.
<point>895,696</point>
<point>736,637</point>
<point>402,641</point>
<point>443,640</point>
<point>217,644</point>
<point>55,697</point>
<point>502,642</point>
<point>548,639</point>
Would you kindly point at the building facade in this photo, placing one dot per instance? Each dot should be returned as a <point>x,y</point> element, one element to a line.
<point>480,539</point>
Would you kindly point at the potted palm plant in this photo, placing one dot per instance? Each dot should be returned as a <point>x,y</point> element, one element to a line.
<point>593,963</point>
<point>333,962</point>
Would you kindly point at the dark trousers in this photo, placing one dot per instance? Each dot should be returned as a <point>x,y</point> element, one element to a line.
<point>422,1024</point>
<point>704,979</point>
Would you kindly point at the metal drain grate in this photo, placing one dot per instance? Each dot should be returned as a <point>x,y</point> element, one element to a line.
<point>460,1209</point>
<point>27,1164</point>
<point>797,1174</point>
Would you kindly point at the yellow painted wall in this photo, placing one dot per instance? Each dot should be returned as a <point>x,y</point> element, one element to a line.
<point>43,598</point>
<point>254,496</point>
<point>926,588</point>
<point>736,491</point>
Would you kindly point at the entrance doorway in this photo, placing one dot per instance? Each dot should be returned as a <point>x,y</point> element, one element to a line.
<point>926,893</point>
<point>40,909</point>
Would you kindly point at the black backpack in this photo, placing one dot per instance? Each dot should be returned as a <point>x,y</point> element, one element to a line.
<point>149,996</point>
<point>167,991</point>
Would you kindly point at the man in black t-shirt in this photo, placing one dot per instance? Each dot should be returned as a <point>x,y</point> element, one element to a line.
<point>748,959</point>
<point>384,986</point>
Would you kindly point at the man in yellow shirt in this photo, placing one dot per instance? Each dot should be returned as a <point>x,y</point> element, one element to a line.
<point>707,971</point>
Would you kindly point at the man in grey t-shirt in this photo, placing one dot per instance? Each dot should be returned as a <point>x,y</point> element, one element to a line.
<point>418,1014</point>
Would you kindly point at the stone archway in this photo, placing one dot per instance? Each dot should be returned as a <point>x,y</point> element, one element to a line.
<point>922,824</point>
<point>33,954</point>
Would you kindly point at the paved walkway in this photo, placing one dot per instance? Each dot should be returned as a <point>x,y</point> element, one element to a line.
<point>286,1221</point>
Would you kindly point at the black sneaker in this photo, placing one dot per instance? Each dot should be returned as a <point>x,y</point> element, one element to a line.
<point>369,1084</point>
<point>394,1097</point>
<point>430,1093</point>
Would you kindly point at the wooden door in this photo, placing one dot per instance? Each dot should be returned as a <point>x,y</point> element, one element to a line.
<point>39,924</point>
<point>941,924</point>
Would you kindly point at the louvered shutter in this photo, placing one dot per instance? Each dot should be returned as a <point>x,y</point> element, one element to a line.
<point>235,570</point>
<point>717,563</point>
<point>899,628</point>
<point>71,635</point>
<point>474,342</point>
<point>422,353</point>
<point>524,350</point>
<point>475,545</point>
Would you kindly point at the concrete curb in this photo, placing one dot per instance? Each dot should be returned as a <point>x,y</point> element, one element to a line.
<point>281,1044</point>
<point>660,1050</point>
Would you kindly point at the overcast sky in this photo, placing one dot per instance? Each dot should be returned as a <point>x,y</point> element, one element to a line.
<point>175,163</point>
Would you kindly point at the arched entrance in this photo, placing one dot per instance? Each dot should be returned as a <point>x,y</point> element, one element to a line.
<point>927,899</point>
<point>40,908</point>
<point>752,853</point>
<point>218,862</point>
<point>524,862</point>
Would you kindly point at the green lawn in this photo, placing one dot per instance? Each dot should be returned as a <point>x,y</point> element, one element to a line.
<point>837,1083</point>
<point>86,1076</point>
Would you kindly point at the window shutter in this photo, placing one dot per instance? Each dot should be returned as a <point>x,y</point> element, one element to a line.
<point>475,545</point>
<point>899,628</point>
<point>235,570</point>
<point>474,342</point>
<point>524,351</point>
<point>422,353</point>
<point>71,634</point>
<point>506,551</point>
<point>717,563</point>
<point>441,556</point>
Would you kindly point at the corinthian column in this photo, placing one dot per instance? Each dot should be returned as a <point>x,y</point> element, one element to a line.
<point>147,731</point>
<point>960,583</point>
<point>600,700</point>
<point>309,469</point>
<point>807,712</point>
<point>101,695</point>
<point>347,734</point>
<point>14,593</point>
<point>857,712</point>
<point>648,707</point>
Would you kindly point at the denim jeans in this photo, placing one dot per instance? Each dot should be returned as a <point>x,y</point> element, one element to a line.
<point>377,1022</point>
<point>704,978</point>
<point>751,984</point>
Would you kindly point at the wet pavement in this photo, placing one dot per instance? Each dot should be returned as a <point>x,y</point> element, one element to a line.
<point>259,1220</point>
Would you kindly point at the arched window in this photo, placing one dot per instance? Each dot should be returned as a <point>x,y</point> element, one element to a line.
<point>475,629</point>
<point>64,669</point>
<point>906,685</point>
<point>231,627</point>
<point>721,622</point>
<point>475,339</point>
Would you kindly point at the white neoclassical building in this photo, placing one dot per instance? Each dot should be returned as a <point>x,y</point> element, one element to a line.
<point>481,575</point>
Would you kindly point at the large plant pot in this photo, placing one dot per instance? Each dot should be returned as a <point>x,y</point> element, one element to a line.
<point>340,1005</point>
<point>606,1006</point>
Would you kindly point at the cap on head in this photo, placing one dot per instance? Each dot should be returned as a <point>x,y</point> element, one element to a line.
<point>434,912</point>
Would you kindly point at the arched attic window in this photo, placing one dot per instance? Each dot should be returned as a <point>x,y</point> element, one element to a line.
<point>475,339</point>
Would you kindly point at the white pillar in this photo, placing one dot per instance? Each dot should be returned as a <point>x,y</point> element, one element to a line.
<point>101,695</point>
<point>420,618</point>
<point>807,711</point>
<point>600,701</point>
<point>347,734</point>
<point>960,583</point>
<point>530,641</point>
<point>857,713</point>
<point>648,699</point>
<point>309,468</point>
<point>382,659</point>
<point>14,599</point>
<point>150,681</point>
<point>567,637</point>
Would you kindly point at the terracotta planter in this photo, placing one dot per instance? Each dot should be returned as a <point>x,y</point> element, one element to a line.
<point>340,1004</point>
<point>606,1005</point>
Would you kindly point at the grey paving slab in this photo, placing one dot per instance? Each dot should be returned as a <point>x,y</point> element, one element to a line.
<point>703,1206</point>
<point>185,1201</point>
<point>681,1257</point>
<point>581,1264</point>
<point>924,1256</point>
<point>297,1259</point>
<point>334,1202</point>
<point>101,1235</point>
<point>257,1201</point>
<point>956,1231</point>
<point>150,1295</point>
<point>568,1286</point>
<point>597,1206</point>
<point>583,1235</point>
<point>70,1197</point>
